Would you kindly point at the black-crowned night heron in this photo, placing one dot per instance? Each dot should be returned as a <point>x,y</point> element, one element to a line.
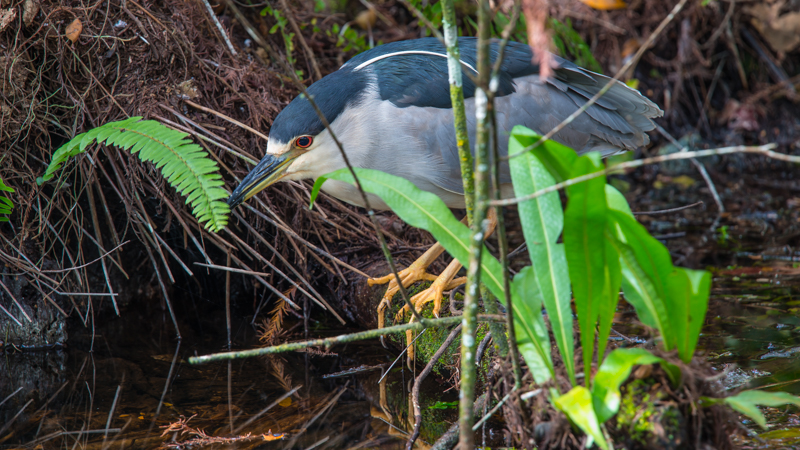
<point>390,108</point>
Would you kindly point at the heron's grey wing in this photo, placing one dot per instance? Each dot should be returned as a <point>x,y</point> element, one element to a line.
<point>417,86</point>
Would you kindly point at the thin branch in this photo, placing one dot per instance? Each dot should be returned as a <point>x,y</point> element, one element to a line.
<point>418,383</point>
<point>369,334</point>
<point>219,27</point>
<point>666,211</point>
<point>765,150</point>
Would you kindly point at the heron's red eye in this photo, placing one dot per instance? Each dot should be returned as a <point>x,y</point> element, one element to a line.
<point>304,141</point>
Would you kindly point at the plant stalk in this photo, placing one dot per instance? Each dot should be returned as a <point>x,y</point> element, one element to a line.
<point>480,224</point>
<point>457,101</point>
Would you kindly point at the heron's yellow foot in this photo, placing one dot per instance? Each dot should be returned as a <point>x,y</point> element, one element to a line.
<point>417,271</point>
<point>434,293</point>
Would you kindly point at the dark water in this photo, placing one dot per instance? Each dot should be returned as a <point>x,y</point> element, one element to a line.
<point>135,384</point>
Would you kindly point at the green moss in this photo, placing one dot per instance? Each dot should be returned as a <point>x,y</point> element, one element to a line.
<point>645,421</point>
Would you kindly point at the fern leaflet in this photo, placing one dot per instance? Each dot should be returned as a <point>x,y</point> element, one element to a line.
<point>6,205</point>
<point>185,165</point>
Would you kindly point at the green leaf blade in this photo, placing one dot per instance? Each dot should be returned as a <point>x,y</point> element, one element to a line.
<point>542,221</point>
<point>584,224</point>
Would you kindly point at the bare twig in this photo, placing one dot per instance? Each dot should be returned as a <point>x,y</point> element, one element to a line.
<point>418,383</point>
<point>219,27</point>
<point>765,150</point>
<point>666,211</point>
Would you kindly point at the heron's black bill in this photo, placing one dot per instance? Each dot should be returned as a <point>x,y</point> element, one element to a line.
<point>268,171</point>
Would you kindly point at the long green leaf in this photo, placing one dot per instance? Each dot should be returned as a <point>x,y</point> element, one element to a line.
<point>425,210</point>
<point>612,277</point>
<point>185,165</point>
<point>533,340</point>
<point>746,402</point>
<point>610,376</point>
<point>577,405</point>
<point>584,224</point>
<point>646,264</point>
<point>542,221</point>
<point>687,302</point>
<point>637,286</point>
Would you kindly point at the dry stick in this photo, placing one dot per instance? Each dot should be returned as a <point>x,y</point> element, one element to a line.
<point>291,233</point>
<point>270,406</point>
<point>309,54</point>
<point>493,410</point>
<point>666,211</point>
<point>268,286</point>
<point>13,419</point>
<point>228,145</point>
<point>700,168</point>
<point>109,220</point>
<point>174,255</point>
<point>318,300</point>
<point>229,119</point>
<point>160,281</point>
<point>16,303</point>
<point>194,133</point>
<point>98,235</point>
<point>228,304</point>
<point>280,256</point>
<point>608,85</point>
<point>11,316</point>
<point>765,150</point>
<point>219,27</point>
<point>360,336</point>
<point>418,383</point>
<point>370,212</point>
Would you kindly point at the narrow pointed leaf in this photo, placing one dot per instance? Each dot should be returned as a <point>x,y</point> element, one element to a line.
<point>612,283</point>
<point>542,221</point>
<point>687,302</point>
<point>646,264</point>
<point>584,224</point>
<point>532,336</point>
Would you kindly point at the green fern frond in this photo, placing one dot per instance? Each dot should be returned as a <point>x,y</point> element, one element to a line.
<point>6,205</point>
<point>185,165</point>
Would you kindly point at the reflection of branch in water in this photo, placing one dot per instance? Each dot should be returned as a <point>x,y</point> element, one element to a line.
<point>182,428</point>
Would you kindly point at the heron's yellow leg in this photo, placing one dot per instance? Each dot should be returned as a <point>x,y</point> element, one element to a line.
<point>445,281</point>
<point>434,293</point>
<point>410,275</point>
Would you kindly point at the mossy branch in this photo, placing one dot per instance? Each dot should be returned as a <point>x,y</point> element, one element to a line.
<point>186,166</point>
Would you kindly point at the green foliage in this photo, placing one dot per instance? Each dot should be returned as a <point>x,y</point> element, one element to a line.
<point>281,24</point>
<point>571,45</point>
<point>542,220</point>
<point>747,402</point>
<point>185,165</point>
<point>6,205</point>
<point>577,405</point>
<point>604,249</point>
